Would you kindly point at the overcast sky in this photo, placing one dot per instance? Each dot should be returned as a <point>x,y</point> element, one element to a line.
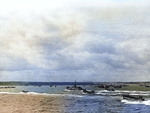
<point>68,40</point>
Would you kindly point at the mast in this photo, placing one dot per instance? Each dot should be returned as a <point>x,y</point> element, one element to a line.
<point>75,84</point>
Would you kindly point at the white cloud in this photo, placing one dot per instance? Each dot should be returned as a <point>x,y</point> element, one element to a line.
<point>93,39</point>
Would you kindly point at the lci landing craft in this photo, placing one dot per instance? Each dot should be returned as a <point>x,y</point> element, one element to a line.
<point>74,88</point>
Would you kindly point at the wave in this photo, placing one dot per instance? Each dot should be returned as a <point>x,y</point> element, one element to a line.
<point>30,93</point>
<point>73,95</point>
<point>42,94</point>
<point>120,93</point>
<point>146,102</point>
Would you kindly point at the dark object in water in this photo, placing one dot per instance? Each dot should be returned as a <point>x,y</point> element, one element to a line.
<point>74,87</point>
<point>110,90</point>
<point>67,87</point>
<point>147,86</point>
<point>38,86</point>
<point>133,97</point>
<point>75,84</point>
<point>80,89</point>
<point>24,91</point>
<point>8,87</point>
<point>90,92</point>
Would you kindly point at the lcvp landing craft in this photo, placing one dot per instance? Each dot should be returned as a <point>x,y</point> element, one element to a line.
<point>133,97</point>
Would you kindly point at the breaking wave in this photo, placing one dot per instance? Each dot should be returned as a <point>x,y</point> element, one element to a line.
<point>146,102</point>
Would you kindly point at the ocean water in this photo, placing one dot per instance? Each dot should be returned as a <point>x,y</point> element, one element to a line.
<point>79,102</point>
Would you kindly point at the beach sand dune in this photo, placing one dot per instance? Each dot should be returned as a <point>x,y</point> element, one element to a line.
<point>30,103</point>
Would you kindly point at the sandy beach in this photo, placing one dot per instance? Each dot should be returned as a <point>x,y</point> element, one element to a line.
<point>30,103</point>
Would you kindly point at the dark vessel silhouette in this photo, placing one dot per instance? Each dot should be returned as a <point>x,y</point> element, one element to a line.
<point>133,97</point>
<point>80,89</point>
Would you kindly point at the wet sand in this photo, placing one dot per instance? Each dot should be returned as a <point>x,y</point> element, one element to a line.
<point>31,103</point>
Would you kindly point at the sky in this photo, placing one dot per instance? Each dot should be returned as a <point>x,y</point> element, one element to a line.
<point>68,40</point>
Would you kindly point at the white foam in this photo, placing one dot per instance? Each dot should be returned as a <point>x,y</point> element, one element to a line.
<point>67,90</point>
<point>30,93</point>
<point>35,93</point>
<point>120,92</point>
<point>102,91</point>
<point>6,93</point>
<point>72,95</point>
<point>146,102</point>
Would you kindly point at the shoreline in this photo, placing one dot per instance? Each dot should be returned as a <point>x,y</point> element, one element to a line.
<point>28,103</point>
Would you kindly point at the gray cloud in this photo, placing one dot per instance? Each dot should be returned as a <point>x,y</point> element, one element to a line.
<point>82,41</point>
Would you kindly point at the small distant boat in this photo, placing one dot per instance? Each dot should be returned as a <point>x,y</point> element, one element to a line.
<point>133,97</point>
<point>147,86</point>
<point>24,91</point>
<point>89,92</point>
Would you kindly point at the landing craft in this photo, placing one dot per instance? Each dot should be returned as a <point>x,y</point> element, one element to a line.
<point>24,91</point>
<point>89,92</point>
<point>74,87</point>
<point>80,89</point>
<point>133,97</point>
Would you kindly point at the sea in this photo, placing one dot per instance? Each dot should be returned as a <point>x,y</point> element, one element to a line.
<point>102,101</point>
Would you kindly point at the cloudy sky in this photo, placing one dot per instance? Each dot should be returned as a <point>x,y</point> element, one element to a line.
<point>67,40</point>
